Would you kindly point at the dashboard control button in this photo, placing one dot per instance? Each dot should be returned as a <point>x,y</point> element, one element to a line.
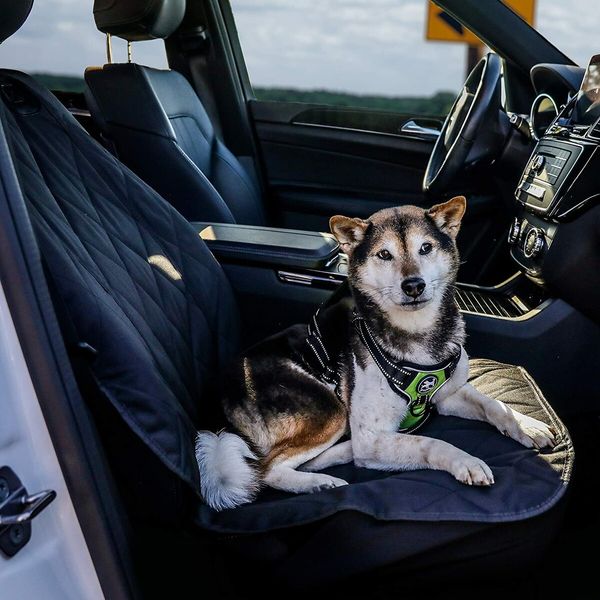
<point>534,190</point>
<point>534,243</point>
<point>514,231</point>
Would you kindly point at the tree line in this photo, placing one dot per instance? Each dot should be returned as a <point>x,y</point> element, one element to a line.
<point>438,104</point>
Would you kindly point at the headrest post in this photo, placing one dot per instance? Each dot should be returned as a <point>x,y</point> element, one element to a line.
<point>109,54</point>
<point>128,51</point>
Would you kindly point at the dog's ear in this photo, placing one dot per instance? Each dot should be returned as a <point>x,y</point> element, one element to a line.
<point>447,216</point>
<point>348,232</point>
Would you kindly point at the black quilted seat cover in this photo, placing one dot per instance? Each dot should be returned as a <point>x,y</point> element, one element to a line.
<point>141,287</point>
<point>528,482</point>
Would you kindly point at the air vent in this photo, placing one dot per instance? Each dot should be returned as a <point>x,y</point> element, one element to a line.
<point>481,303</point>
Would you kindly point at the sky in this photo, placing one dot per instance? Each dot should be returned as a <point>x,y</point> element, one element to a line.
<point>359,46</point>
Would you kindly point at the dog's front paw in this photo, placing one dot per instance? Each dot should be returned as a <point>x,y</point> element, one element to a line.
<point>321,482</point>
<point>532,433</point>
<point>471,470</point>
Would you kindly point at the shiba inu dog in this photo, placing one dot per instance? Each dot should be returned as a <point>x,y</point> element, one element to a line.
<point>397,353</point>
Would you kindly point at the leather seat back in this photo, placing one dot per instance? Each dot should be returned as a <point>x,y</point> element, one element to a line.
<point>160,128</point>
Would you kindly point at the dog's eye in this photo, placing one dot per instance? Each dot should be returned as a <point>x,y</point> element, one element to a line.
<point>384,255</point>
<point>425,248</point>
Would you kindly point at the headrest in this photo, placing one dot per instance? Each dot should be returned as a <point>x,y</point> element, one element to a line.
<point>137,20</point>
<point>14,14</point>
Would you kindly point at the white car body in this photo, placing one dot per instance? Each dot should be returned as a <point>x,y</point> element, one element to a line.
<point>55,564</point>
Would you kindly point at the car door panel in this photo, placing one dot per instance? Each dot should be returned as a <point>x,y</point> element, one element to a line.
<point>322,161</point>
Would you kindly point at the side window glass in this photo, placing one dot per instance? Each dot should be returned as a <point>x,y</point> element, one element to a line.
<point>366,54</point>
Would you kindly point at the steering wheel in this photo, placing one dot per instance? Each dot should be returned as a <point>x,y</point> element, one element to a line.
<point>469,133</point>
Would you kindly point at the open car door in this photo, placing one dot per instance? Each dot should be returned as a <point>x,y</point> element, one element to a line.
<point>46,502</point>
<point>43,553</point>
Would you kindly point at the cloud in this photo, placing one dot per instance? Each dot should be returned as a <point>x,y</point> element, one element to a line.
<point>572,26</point>
<point>363,46</point>
<point>60,37</point>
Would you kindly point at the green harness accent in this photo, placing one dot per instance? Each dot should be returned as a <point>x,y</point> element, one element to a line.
<point>419,406</point>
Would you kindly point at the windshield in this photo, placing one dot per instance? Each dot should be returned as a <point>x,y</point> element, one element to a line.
<point>571,25</point>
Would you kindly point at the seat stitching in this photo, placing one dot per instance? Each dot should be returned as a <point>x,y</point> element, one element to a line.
<point>137,287</point>
<point>104,284</point>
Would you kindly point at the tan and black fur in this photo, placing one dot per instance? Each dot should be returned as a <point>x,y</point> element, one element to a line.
<point>290,420</point>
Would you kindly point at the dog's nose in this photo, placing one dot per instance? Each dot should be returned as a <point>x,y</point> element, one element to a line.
<point>413,286</point>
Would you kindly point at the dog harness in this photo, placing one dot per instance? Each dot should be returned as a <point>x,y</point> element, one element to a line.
<point>417,384</point>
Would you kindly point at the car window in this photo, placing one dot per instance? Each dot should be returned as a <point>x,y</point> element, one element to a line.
<point>571,25</point>
<point>362,53</point>
<point>59,40</point>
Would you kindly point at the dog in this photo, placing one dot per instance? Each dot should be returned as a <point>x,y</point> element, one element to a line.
<point>287,414</point>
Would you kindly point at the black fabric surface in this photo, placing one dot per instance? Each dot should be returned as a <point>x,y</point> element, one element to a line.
<point>141,287</point>
<point>528,482</point>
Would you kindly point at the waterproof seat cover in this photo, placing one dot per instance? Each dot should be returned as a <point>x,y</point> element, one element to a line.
<point>142,289</point>
<point>528,483</point>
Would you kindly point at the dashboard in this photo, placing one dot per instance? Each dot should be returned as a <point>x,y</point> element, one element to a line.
<point>554,237</point>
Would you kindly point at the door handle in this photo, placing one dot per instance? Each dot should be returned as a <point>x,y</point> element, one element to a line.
<point>18,508</point>
<point>26,508</point>
<point>413,128</point>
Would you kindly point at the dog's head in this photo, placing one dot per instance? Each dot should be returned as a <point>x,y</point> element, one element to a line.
<point>403,259</point>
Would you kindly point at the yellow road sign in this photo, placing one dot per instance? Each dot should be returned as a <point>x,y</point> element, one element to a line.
<point>442,27</point>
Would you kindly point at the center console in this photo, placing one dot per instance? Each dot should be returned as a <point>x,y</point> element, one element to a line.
<point>277,262</point>
<point>560,180</point>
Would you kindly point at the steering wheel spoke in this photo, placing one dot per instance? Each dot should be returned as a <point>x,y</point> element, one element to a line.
<point>474,112</point>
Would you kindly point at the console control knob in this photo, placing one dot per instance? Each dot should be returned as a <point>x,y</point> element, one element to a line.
<point>538,162</point>
<point>534,243</point>
<point>514,232</point>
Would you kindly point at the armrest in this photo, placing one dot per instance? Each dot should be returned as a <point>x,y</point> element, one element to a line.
<point>269,245</point>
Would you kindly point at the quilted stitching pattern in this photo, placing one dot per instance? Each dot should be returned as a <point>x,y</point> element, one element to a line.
<point>161,334</point>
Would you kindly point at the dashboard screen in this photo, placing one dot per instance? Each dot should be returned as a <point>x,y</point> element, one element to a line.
<point>587,107</point>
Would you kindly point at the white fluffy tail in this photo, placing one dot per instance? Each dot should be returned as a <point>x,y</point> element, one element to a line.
<point>227,478</point>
